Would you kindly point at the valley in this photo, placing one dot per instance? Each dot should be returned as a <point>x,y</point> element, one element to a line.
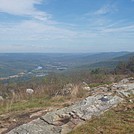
<point>39,65</point>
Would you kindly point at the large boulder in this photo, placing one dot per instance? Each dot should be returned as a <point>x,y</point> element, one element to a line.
<point>29,91</point>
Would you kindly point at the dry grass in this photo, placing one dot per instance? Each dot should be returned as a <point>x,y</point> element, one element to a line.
<point>20,106</point>
<point>42,97</point>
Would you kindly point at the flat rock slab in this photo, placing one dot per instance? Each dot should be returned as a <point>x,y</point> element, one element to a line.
<point>64,120</point>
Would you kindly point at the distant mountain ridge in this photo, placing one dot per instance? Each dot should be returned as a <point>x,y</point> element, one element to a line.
<point>14,63</point>
<point>113,62</point>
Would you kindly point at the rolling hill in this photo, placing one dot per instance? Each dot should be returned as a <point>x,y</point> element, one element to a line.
<point>14,63</point>
<point>113,62</point>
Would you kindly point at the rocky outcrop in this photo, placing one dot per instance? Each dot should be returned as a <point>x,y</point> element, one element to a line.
<point>64,120</point>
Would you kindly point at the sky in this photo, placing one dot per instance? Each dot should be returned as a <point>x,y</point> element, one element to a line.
<point>66,26</point>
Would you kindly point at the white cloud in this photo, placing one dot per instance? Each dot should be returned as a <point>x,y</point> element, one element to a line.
<point>99,17</point>
<point>23,8</point>
<point>33,35</point>
<point>41,34</point>
<point>106,9</point>
<point>34,30</point>
<point>124,29</point>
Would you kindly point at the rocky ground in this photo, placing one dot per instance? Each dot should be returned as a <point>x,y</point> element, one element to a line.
<point>64,120</point>
<point>117,120</point>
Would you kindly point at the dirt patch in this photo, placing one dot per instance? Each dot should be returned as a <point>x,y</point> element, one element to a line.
<point>12,120</point>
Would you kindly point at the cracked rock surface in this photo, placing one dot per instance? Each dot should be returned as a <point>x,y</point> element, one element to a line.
<point>64,120</point>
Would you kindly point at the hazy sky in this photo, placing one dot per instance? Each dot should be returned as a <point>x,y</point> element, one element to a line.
<point>66,25</point>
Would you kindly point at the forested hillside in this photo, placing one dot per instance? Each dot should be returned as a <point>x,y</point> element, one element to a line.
<point>41,64</point>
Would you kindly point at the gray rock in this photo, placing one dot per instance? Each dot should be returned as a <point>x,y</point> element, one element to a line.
<point>85,86</point>
<point>129,90</point>
<point>59,121</point>
<point>119,86</point>
<point>29,91</point>
<point>1,98</point>
<point>100,88</point>
<point>124,81</point>
<point>64,120</point>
